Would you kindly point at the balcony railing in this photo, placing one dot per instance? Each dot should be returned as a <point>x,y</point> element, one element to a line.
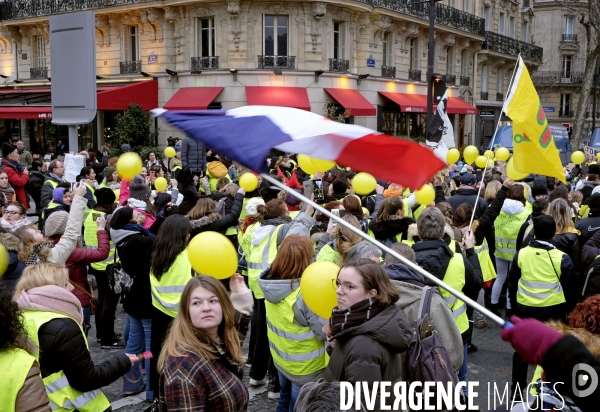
<point>388,71</point>
<point>414,75</point>
<point>557,77</point>
<point>450,80</point>
<point>565,113</point>
<point>465,80</point>
<point>339,65</point>
<point>484,95</point>
<point>569,37</point>
<point>38,72</point>
<point>205,62</point>
<point>22,9</point>
<point>276,62</point>
<point>131,67</point>
<point>499,97</point>
<point>507,45</point>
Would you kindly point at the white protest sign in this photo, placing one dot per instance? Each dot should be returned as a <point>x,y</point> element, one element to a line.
<point>73,166</point>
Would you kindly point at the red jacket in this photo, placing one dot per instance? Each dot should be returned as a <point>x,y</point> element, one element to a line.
<point>78,261</point>
<point>17,181</point>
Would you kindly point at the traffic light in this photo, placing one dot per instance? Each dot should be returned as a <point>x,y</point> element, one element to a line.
<point>438,83</point>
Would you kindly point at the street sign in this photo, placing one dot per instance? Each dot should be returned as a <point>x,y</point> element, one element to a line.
<point>370,61</point>
<point>152,57</point>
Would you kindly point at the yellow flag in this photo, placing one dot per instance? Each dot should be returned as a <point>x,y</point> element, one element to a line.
<point>534,150</point>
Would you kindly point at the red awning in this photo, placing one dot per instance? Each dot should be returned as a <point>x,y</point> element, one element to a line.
<point>25,112</point>
<point>193,98</point>
<point>118,98</point>
<point>459,106</point>
<point>295,97</point>
<point>413,103</point>
<point>353,101</point>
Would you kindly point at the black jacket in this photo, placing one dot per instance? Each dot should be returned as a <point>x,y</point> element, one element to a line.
<point>569,244</point>
<point>62,347</point>
<point>389,229</point>
<point>205,224</point>
<point>15,266</point>
<point>193,155</point>
<point>36,181</point>
<point>590,250</point>
<point>190,197</point>
<point>588,227</point>
<point>468,196</point>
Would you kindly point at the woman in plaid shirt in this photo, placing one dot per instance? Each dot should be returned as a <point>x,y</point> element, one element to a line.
<point>201,365</point>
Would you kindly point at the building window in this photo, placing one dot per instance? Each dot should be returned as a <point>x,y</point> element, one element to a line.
<point>205,40</point>
<point>275,35</point>
<point>464,63</point>
<point>388,50</point>
<point>567,66</point>
<point>39,59</point>
<point>501,23</point>
<point>486,17</point>
<point>465,5</point>
<point>525,32</point>
<point>451,3</point>
<point>449,60</point>
<point>565,105</point>
<point>511,27</point>
<point>484,78</point>
<point>569,24</point>
<point>500,81</point>
<point>132,48</point>
<point>339,40</point>
<point>414,54</point>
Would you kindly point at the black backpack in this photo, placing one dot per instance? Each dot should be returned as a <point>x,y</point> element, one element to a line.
<point>591,283</point>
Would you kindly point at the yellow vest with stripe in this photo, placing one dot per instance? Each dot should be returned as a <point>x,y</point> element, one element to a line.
<point>90,237</point>
<point>539,285</point>
<point>51,205</point>
<point>507,229</point>
<point>294,214</point>
<point>15,365</point>
<point>407,210</point>
<point>166,292</point>
<point>327,254</point>
<point>485,261</point>
<point>62,396</point>
<point>455,277</point>
<point>245,241</point>
<point>294,348</point>
<point>260,259</point>
<point>92,190</point>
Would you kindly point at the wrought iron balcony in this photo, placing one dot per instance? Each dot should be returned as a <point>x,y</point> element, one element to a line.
<point>414,75</point>
<point>465,80</point>
<point>565,113</point>
<point>388,71</point>
<point>484,95</point>
<point>450,80</point>
<point>22,9</point>
<point>273,62</point>
<point>499,97</point>
<point>569,37</point>
<point>557,77</point>
<point>131,67</point>
<point>205,62</point>
<point>507,45</point>
<point>38,73</point>
<point>339,65</point>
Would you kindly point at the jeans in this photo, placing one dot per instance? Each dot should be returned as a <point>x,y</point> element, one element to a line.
<point>502,273</point>
<point>287,394</point>
<point>137,338</point>
<point>462,372</point>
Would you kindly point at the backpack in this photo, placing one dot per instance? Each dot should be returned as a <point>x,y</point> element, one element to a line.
<point>427,356</point>
<point>220,206</point>
<point>591,284</point>
<point>216,169</point>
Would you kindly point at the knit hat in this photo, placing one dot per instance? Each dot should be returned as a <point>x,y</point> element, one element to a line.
<point>539,190</point>
<point>291,200</point>
<point>108,170</point>
<point>339,186</point>
<point>121,217</point>
<point>593,169</point>
<point>7,149</point>
<point>252,206</point>
<point>138,189</point>
<point>56,223</point>
<point>105,196</point>
<point>58,193</point>
<point>594,202</point>
<point>468,179</point>
<point>544,227</point>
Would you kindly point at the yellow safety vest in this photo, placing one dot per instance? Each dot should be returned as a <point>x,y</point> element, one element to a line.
<point>166,292</point>
<point>507,229</point>
<point>455,277</point>
<point>90,237</point>
<point>51,205</point>
<point>213,182</point>
<point>260,258</point>
<point>327,254</point>
<point>294,214</point>
<point>485,261</point>
<point>245,241</point>
<point>62,396</point>
<point>15,365</point>
<point>294,348</point>
<point>539,285</point>
<point>417,212</point>
<point>407,210</point>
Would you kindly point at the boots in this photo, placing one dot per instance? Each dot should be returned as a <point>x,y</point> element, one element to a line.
<point>495,309</point>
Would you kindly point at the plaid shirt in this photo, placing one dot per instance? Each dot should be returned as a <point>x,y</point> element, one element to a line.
<point>194,384</point>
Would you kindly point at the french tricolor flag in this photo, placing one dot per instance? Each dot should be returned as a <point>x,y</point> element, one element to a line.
<point>247,135</point>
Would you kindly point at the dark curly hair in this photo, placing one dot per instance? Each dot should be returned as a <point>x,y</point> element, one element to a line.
<point>586,315</point>
<point>12,331</point>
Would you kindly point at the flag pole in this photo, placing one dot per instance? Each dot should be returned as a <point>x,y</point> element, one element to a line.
<point>387,250</point>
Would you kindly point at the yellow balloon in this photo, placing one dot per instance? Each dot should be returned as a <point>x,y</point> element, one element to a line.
<point>578,157</point>
<point>470,154</point>
<point>160,184</point>
<point>425,195</point>
<point>488,153</point>
<point>452,156</point>
<point>322,165</point>
<point>363,183</point>
<point>512,173</point>
<point>306,164</point>
<point>129,165</point>
<point>212,254</point>
<point>170,152</point>
<point>317,285</point>
<point>481,161</point>
<point>248,181</point>
<point>4,260</point>
<point>502,153</point>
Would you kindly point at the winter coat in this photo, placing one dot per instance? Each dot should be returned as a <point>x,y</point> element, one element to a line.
<point>47,189</point>
<point>36,181</point>
<point>15,266</point>
<point>190,198</point>
<point>588,227</point>
<point>468,195</point>
<point>221,225</point>
<point>193,155</point>
<point>523,240</point>
<point>32,396</point>
<point>371,352</point>
<point>569,244</point>
<point>17,180</point>
<point>389,229</point>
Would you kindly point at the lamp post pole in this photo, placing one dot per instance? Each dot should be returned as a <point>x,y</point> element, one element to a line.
<point>430,60</point>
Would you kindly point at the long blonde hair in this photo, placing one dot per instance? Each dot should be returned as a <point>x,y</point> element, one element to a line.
<point>561,213</point>
<point>185,337</point>
<point>43,274</point>
<point>345,238</point>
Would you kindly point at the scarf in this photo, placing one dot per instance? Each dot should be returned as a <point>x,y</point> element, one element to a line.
<point>51,298</point>
<point>11,227</point>
<point>355,315</point>
<point>20,151</point>
<point>134,227</point>
<point>14,164</point>
<point>138,204</point>
<point>58,179</point>
<point>34,257</point>
<point>130,229</point>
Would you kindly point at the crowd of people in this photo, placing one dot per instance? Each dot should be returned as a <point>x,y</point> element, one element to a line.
<point>530,251</point>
